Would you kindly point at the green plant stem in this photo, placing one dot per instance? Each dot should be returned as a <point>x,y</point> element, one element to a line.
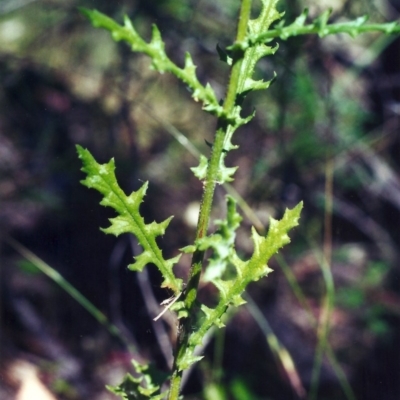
<point>190,294</point>
<point>244,17</point>
<point>332,29</point>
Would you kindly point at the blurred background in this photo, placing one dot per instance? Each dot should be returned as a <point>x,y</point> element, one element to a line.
<point>326,131</point>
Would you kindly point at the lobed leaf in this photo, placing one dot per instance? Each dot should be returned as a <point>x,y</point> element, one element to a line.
<point>253,269</point>
<point>253,52</point>
<point>188,359</point>
<point>225,174</point>
<point>258,50</point>
<point>200,171</point>
<point>129,220</point>
<point>141,388</point>
<point>155,49</point>
<point>221,242</point>
<point>322,28</point>
<point>209,314</point>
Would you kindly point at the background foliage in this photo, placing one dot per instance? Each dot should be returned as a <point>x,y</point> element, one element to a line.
<point>335,99</point>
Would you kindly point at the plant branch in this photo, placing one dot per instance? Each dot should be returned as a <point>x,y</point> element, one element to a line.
<point>320,27</point>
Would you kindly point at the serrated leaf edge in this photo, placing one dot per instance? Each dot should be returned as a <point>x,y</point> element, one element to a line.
<point>129,220</point>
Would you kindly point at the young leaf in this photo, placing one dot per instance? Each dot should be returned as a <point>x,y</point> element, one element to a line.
<point>245,84</point>
<point>201,170</point>
<point>102,178</point>
<point>256,51</point>
<point>222,242</point>
<point>225,174</point>
<point>141,388</point>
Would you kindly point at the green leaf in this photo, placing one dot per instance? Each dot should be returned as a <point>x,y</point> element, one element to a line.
<point>321,22</point>
<point>322,28</point>
<point>159,59</point>
<point>102,178</point>
<point>141,388</point>
<point>209,314</point>
<point>200,171</point>
<point>251,84</point>
<point>225,174</point>
<point>222,242</point>
<point>248,271</point>
<point>301,19</point>
<point>266,247</point>
<point>268,15</point>
<point>223,254</point>
<point>188,359</point>
<point>188,249</point>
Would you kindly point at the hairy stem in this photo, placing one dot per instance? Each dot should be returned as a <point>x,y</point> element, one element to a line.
<point>190,294</point>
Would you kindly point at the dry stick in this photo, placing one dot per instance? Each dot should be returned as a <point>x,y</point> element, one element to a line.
<point>168,304</point>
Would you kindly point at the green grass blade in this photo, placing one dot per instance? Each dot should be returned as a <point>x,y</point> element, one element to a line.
<point>56,277</point>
